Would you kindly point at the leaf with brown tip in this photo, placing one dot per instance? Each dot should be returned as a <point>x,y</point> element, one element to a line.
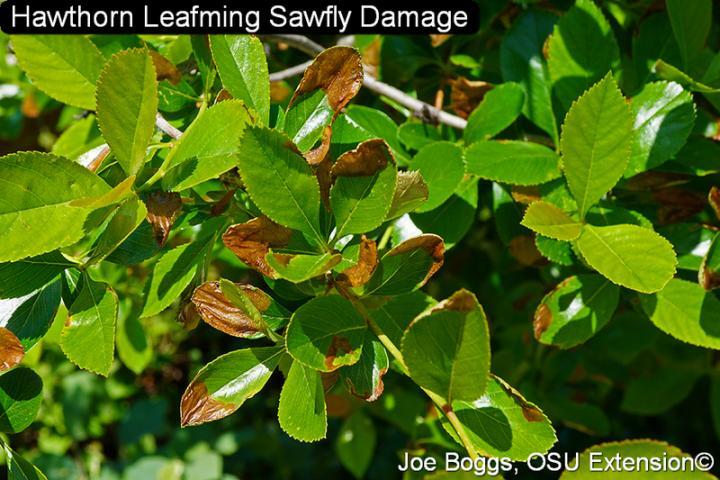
<point>411,192</point>
<point>338,71</point>
<point>466,95</point>
<point>251,241</point>
<point>367,159</point>
<point>11,350</point>
<point>224,384</point>
<point>360,273</point>
<point>218,311</point>
<point>163,209</point>
<point>408,266</point>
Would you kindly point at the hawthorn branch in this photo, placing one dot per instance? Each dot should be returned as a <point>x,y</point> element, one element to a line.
<point>163,125</point>
<point>420,109</point>
<point>290,72</point>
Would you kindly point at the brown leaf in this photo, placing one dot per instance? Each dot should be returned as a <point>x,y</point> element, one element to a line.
<point>432,244</point>
<point>438,39</point>
<point>523,249</point>
<point>197,407</point>
<point>338,71</point>
<point>368,158</point>
<point>323,173</point>
<point>460,301</point>
<point>220,313</point>
<point>163,208</point>
<point>655,180</point>
<point>189,317</point>
<point>678,204</point>
<point>95,163</point>
<point>541,320</point>
<point>252,240</point>
<point>279,91</point>
<point>709,279</point>
<point>360,273</point>
<point>466,95</point>
<point>164,69</point>
<point>529,411</point>
<point>318,154</point>
<point>714,199</point>
<point>222,96</point>
<point>525,195</point>
<point>339,346</point>
<point>11,350</point>
<point>29,106</point>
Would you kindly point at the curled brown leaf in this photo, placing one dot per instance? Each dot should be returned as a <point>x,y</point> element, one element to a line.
<point>164,69</point>
<point>368,158</point>
<point>466,95</point>
<point>220,313</point>
<point>714,199</point>
<point>252,240</point>
<point>432,244</point>
<point>360,273</point>
<point>197,406</point>
<point>11,350</point>
<point>163,208</point>
<point>338,71</point>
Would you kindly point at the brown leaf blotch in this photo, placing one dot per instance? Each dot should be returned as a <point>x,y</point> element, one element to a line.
<point>318,154</point>
<point>524,250</point>
<point>360,273</point>
<point>529,411</point>
<point>252,240</point>
<point>163,208</point>
<point>714,199</point>
<point>164,69</point>
<point>218,312</point>
<point>367,159</point>
<point>11,350</point>
<point>460,301</point>
<point>338,71</point>
<point>197,407</point>
<point>466,95</point>
<point>541,320</point>
<point>338,346</point>
<point>432,244</point>
<point>525,195</point>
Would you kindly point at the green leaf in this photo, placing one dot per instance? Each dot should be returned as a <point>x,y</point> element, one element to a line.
<point>20,398</point>
<point>223,385</point>
<point>394,314</point>
<point>127,102</point>
<point>53,216</point>
<point>326,333</point>
<point>79,138</point>
<point>547,219</point>
<point>243,69</point>
<point>575,310</point>
<point>302,411</point>
<point>709,274</point>
<point>208,147</point>
<point>174,271</point>
<point>656,393</point>
<point>306,120</point>
<point>66,67</point>
<point>365,378</point>
<point>411,191</point>
<point>513,162</point>
<point>21,469</point>
<point>360,123</point>
<point>633,452</point>
<point>364,187</point>
<point>447,349</point>
<point>407,266</point>
<point>124,222</point>
<point>499,108</point>
<point>453,219</point>
<point>595,143</point>
<point>21,278</point>
<point>280,181</point>
<point>557,251</point>
<point>581,50</point>
<point>691,22</point>
<point>133,345</point>
<point>29,317</point>
<point>442,166</point>
<point>416,135</point>
<point>299,268</point>
<point>687,312</point>
<point>88,337</point>
<point>502,423</point>
<point>664,117</point>
<point>355,443</point>
<point>522,61</point>
<point>622,253</point>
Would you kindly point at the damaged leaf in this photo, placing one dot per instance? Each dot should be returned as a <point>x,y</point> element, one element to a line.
<point>251,241</point>
<point>360,273</point>
<point>411,192</point>
<point>163,208</point>
<point>11,350</point>
<point>299,268</point>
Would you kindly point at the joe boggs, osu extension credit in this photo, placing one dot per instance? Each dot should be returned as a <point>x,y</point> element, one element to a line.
<point>279,16</point>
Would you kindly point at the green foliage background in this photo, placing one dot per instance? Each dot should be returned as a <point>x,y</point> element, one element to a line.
<point>629,354</point>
